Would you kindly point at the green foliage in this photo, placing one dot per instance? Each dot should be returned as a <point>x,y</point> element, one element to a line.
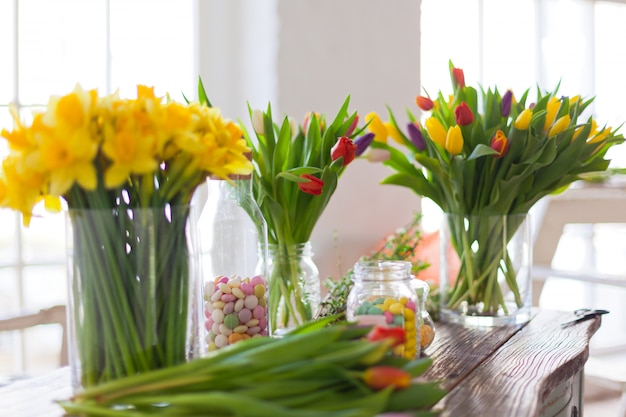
<point>314,370</point>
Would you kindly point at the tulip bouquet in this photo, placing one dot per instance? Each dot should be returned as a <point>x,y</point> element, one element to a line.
<point>481,153</point>
<point>127,170</point>
<point>296,170</point>
<point>315,370</point>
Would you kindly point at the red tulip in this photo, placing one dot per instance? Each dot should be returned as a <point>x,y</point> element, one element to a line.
<point>459,77</point>
<point>313,186</point>
<point>463,114</point>
<point>500,143</point>
<point>424,103</point>
<point>344,147</point>
<point>380,333</point>
<point>381,377</point>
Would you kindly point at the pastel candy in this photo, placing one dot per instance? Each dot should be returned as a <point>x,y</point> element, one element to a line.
<point>247,288</point>
<point>221,341</point>
<point>228,297</point>
<point>229,308</point>
<point>388,317</point>
<point>259,290</point>
<point>209,289</point>
<point>218,316</point>
<point>231,321</point>
<point>258,312</point>
<point>235,310</point>
<point>257,280</point>
<point>374,310</point>
<point>237,292</point>
<point>245,315</point>
<point>251,301</point>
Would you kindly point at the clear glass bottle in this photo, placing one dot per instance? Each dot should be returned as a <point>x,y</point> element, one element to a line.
<point>426,323</point>
<point>233,242</point>
<point>382,295</point>
<point>294,286</point>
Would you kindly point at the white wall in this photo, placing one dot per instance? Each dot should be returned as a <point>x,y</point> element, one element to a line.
<point>308,55</point>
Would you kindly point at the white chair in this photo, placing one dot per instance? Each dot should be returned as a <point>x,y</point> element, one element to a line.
<point>590,204</point>
<point>52,315</point>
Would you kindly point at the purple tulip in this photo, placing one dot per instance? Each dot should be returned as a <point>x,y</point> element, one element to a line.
<point>416,136</point>
<point>506,103</point>
<point>362,142</point>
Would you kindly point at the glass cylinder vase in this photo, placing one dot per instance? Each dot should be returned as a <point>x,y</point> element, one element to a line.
<point>134,292</point>
<point>294,286</point>
<point>485,269</point>
<point>233,236</point>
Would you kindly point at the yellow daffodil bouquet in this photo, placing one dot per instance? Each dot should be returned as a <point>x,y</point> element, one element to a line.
<point>485,159</point>
<point>296,171</point>
<point>127,170</point>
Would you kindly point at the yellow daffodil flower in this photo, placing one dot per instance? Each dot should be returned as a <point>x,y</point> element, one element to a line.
<point>559,126</point>
<point>377,127</point>
<point>454,140</point>
<point>436,131</point>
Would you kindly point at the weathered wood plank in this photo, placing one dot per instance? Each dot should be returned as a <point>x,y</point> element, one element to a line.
<point>518,379</point>
<point>457,351</point>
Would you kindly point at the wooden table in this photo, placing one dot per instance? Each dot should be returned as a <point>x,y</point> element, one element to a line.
<point>531,370</point>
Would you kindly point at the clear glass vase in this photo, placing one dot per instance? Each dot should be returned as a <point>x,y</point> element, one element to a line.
<point>294,286</point>
<point>233,236</point>
<point>485,269</point>
<point>134,292</point>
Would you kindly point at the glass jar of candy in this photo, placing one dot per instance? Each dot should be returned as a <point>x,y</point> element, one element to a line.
<point>382,295</point>
<point>233,240</point>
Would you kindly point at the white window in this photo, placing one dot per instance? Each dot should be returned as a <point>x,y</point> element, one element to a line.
<point>47,47</point>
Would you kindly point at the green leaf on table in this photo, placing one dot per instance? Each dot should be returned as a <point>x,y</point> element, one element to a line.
<point>416,396</point>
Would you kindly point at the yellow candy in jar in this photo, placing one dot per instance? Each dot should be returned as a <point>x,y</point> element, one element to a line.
<point>396,308</point>
<point>388,302</point>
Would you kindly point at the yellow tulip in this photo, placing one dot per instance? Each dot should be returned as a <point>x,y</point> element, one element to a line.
<point>552,109</point>
<point>454,140</point>
<point>393,132</point>
<point>577,132</point>
<point>436,131</point>
<point>559,126</point>
<point>523,120</point>
<point>574,100</point>
<point>377,127</point>
<point>600,136</point>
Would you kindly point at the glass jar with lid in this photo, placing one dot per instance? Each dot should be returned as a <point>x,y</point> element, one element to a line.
<point>382,295</point>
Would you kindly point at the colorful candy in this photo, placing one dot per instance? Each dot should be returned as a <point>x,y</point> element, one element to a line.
<point>235,310</point>
<point>392,312</point>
